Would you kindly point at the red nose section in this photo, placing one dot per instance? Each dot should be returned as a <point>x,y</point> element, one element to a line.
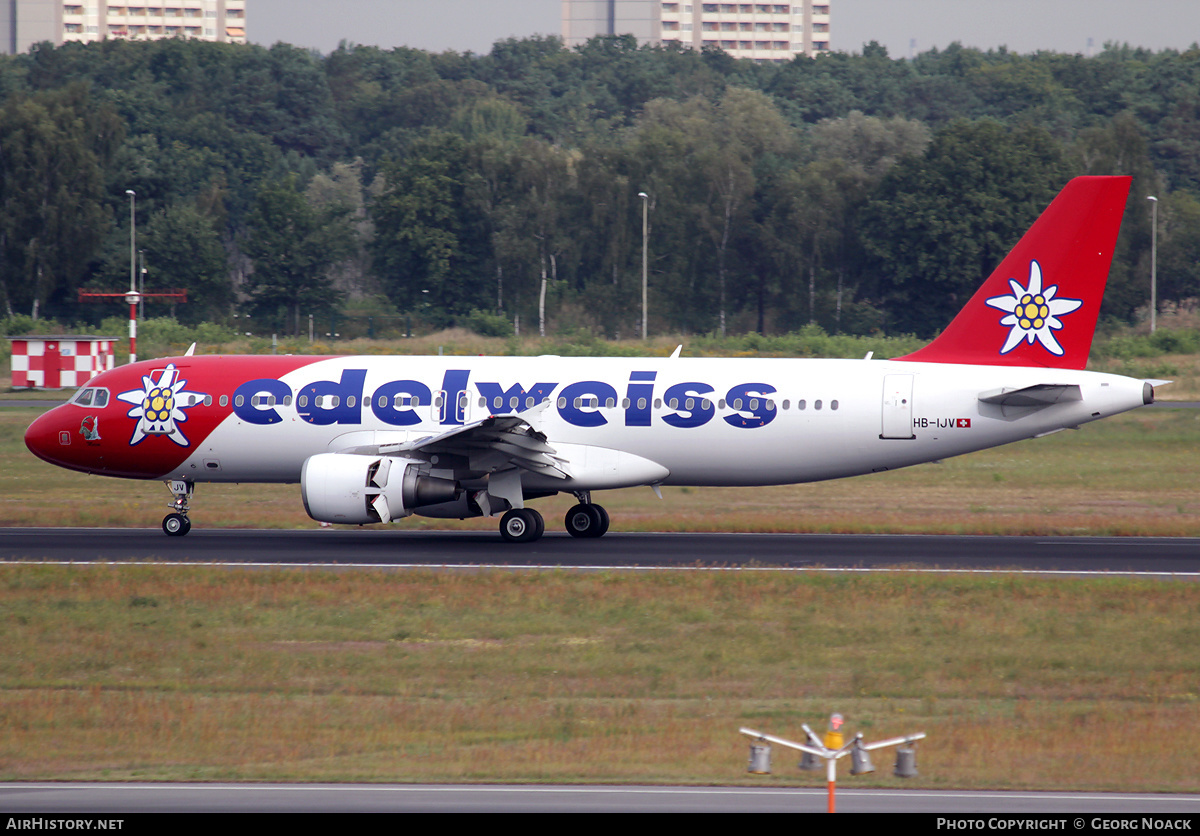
<point>143,421</point>
<point>49,440</point>
<point>79,438</point>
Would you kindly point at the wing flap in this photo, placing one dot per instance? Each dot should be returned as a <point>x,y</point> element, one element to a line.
<point>508,439</point>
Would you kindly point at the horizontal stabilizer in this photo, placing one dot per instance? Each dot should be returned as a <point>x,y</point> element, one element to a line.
<point>1038,395</point>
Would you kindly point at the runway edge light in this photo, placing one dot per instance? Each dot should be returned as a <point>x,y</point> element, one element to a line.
<point>760,760</point>
<point>906,762</point>
<point>816,748</point>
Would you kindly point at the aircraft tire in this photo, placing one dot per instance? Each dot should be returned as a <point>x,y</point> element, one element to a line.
<point>176,525</point>
<point>587,521</point>
<point>522,525</point>
<point>601,529</point>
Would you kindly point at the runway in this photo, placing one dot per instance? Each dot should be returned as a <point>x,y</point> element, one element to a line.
<point>1164,557</point>
<point>117,799</point>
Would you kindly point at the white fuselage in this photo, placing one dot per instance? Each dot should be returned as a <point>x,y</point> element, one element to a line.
<point>749,422</point>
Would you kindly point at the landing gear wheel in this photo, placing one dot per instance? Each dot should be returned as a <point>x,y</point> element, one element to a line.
<point>522,525</point>
<point>176,525</point>
<point>587,520</point>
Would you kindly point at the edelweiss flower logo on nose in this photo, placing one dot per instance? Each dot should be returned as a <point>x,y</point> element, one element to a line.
<point>1033,312</point>
<point>159,406</point>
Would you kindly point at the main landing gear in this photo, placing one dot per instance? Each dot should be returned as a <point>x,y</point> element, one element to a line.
<point>525,525</point>
<point>177,524</point>
<point>587,520</point>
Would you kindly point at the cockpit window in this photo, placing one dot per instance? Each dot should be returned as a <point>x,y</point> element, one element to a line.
<point>91,397</point>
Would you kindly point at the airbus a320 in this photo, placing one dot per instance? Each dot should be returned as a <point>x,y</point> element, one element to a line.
<point>376,439</point>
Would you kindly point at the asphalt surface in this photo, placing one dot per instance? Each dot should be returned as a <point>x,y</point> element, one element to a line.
<point>1177,557</point>
<point>116,799</point>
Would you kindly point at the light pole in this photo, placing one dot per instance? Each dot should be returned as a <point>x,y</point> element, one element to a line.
<point>1153,263</point>
<point>645,226</point>
<point>132,297</point>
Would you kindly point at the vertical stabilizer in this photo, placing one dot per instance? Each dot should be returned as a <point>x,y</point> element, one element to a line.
<point>1039,307</point>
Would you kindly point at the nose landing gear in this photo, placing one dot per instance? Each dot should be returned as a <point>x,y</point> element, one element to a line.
<point>177,524</point>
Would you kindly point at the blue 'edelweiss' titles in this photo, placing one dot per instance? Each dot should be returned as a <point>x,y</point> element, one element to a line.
<point>159,406</point>
<point>584,403</point>
<point>1033,312</point>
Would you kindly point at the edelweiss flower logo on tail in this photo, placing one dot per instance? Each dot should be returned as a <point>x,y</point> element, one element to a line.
<point>1033,312</point>
<point>159,406</point>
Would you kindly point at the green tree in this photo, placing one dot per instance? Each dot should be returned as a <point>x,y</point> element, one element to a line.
<point>293,246</point>
<point>1179,248</point>
<point>941,223</point>
<point>430,243</point>
<point>53,149</point>
<point>183,250</point>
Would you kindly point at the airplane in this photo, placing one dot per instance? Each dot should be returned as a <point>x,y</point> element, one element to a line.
<point>376,439</point>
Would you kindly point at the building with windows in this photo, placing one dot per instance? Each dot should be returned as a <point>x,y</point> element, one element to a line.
<point>24,23</point>
<point>761,31</point>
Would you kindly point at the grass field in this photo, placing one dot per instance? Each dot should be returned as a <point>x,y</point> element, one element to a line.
<point>159,673</point>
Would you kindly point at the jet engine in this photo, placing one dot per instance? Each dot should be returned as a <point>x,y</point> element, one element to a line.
<point>356,489</point>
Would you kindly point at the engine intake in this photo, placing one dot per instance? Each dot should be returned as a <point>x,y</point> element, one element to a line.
<point>350,488</point>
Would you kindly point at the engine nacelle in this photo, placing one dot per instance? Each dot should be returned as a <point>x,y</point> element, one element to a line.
<point>350,488</point>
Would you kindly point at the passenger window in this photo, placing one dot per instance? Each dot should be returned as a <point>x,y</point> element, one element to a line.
<point>816,404</point>
<point>833,404</point>
<point>225,400</point>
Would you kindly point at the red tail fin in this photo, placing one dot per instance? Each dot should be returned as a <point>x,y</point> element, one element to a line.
<point>1039,307</point>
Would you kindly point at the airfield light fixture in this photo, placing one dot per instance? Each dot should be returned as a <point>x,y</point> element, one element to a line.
<point>816,749</point>
<point>860,759</point>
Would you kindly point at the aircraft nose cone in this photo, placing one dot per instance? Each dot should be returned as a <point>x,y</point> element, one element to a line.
<point>50,439</point>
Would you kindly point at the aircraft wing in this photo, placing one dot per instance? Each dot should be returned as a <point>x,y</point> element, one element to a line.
<point>492,444</point>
